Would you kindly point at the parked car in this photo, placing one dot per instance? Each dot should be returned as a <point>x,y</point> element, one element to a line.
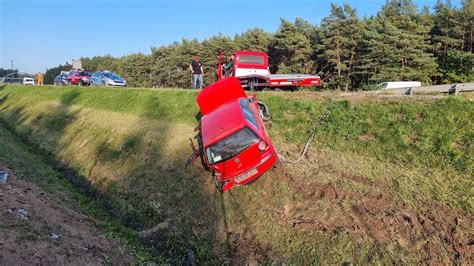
<point>79,77</point>
<point>397,85</point>
<point>28,81</point>
<point>232,141</point>
<point>107,78</point>
<point>60,80</point>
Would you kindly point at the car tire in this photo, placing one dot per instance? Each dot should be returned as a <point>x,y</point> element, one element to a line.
<point>263,111</point>
<point>279,161</point>
<point>218,184</point>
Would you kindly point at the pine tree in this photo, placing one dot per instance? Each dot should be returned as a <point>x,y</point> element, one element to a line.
<point>136,70</point>
<point>447,31</point>
<point>211,49</point>
<point>338,35</point>
<point>51,73</point>
<point>106,62</point>
<point>290,50</point>
<point>399,48</point>
<point>164,71</point>
<point>253,40</point>
<point>467,18</point>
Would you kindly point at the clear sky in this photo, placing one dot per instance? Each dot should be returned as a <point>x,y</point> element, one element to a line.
<point>38,34</point>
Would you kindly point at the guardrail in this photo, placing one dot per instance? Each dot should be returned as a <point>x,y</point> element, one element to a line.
<point>452,89</point>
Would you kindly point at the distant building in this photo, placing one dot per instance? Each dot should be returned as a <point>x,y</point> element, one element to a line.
<point>76,64</point>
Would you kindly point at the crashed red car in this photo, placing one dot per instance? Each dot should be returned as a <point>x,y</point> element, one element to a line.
<point>233,142</point>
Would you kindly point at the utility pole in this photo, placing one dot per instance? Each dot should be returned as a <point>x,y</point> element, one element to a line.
<point>11,61</point>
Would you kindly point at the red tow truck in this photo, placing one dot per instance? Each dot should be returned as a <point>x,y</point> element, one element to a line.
<point>252,69</point>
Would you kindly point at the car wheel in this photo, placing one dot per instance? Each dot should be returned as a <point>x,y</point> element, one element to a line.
<point>218,184</point>
<point>279,161</point>
<point>263,111</point>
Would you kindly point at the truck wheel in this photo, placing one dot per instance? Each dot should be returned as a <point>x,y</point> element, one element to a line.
<point>251,86</point>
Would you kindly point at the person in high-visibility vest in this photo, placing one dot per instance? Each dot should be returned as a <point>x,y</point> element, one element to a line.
<point>40,78</point>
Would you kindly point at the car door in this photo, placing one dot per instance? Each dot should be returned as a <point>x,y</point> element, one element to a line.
<point>101,79</point>
<point>92,79</point>
<point>95,79</point>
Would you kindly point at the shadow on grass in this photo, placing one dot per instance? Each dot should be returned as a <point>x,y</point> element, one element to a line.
<point>182,203</point>
<point>3,98</point>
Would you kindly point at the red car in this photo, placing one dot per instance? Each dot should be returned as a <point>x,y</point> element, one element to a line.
<point>233,142</point>
<point>79,77</point>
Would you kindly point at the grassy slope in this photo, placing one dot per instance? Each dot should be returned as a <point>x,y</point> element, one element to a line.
<point>23,161</point>
<point>409,156</point>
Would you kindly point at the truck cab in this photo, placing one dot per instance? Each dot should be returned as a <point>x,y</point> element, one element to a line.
<point>248,63</point>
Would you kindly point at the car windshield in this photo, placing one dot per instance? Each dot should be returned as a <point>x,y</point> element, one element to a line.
<point>111,76</point>
<point>251,59</point>
<point>231,146</point>
<point>83,73</point>
<point>381,86</point>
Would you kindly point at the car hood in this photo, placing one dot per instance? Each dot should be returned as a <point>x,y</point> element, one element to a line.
<point>219,93</point>
<point>115,79</point>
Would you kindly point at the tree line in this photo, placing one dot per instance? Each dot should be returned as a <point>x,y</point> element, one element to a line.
<point>401,42</point>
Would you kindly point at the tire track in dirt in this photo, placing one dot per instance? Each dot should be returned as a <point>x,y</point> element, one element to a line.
<point>433,233</point>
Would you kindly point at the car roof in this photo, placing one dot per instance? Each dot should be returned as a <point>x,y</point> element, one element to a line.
<point>222,122</point>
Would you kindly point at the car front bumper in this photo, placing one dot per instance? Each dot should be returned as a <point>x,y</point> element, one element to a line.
<point>265,164</point>
<point>116,84</point>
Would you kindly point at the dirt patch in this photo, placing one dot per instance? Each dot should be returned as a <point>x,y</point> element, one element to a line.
<point>245,250</point>
<point>36,229</point>
<point>434,233</point>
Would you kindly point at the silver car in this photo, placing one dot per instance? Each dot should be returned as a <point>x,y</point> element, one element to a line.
<point>107,78</point>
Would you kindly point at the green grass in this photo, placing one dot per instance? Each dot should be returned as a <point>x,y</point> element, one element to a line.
<point>131,146</point>
<point>433,134</point>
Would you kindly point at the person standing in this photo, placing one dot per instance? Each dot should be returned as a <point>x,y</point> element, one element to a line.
<point>196,70</point>
<point>229,67</point>
<point>40,78</point>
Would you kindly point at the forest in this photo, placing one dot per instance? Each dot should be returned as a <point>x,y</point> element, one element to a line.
<point>402,41</point>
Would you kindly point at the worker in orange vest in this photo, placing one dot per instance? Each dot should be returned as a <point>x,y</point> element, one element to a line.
<point>40,78</point>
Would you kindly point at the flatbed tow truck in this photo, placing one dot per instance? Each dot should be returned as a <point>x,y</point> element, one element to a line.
<point>252,69</point>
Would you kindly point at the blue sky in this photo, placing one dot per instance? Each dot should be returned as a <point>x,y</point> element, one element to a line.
<point>38,34</point>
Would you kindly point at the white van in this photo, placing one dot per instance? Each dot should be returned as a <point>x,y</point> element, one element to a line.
<point>398,85</point>
<point>28,81</point>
